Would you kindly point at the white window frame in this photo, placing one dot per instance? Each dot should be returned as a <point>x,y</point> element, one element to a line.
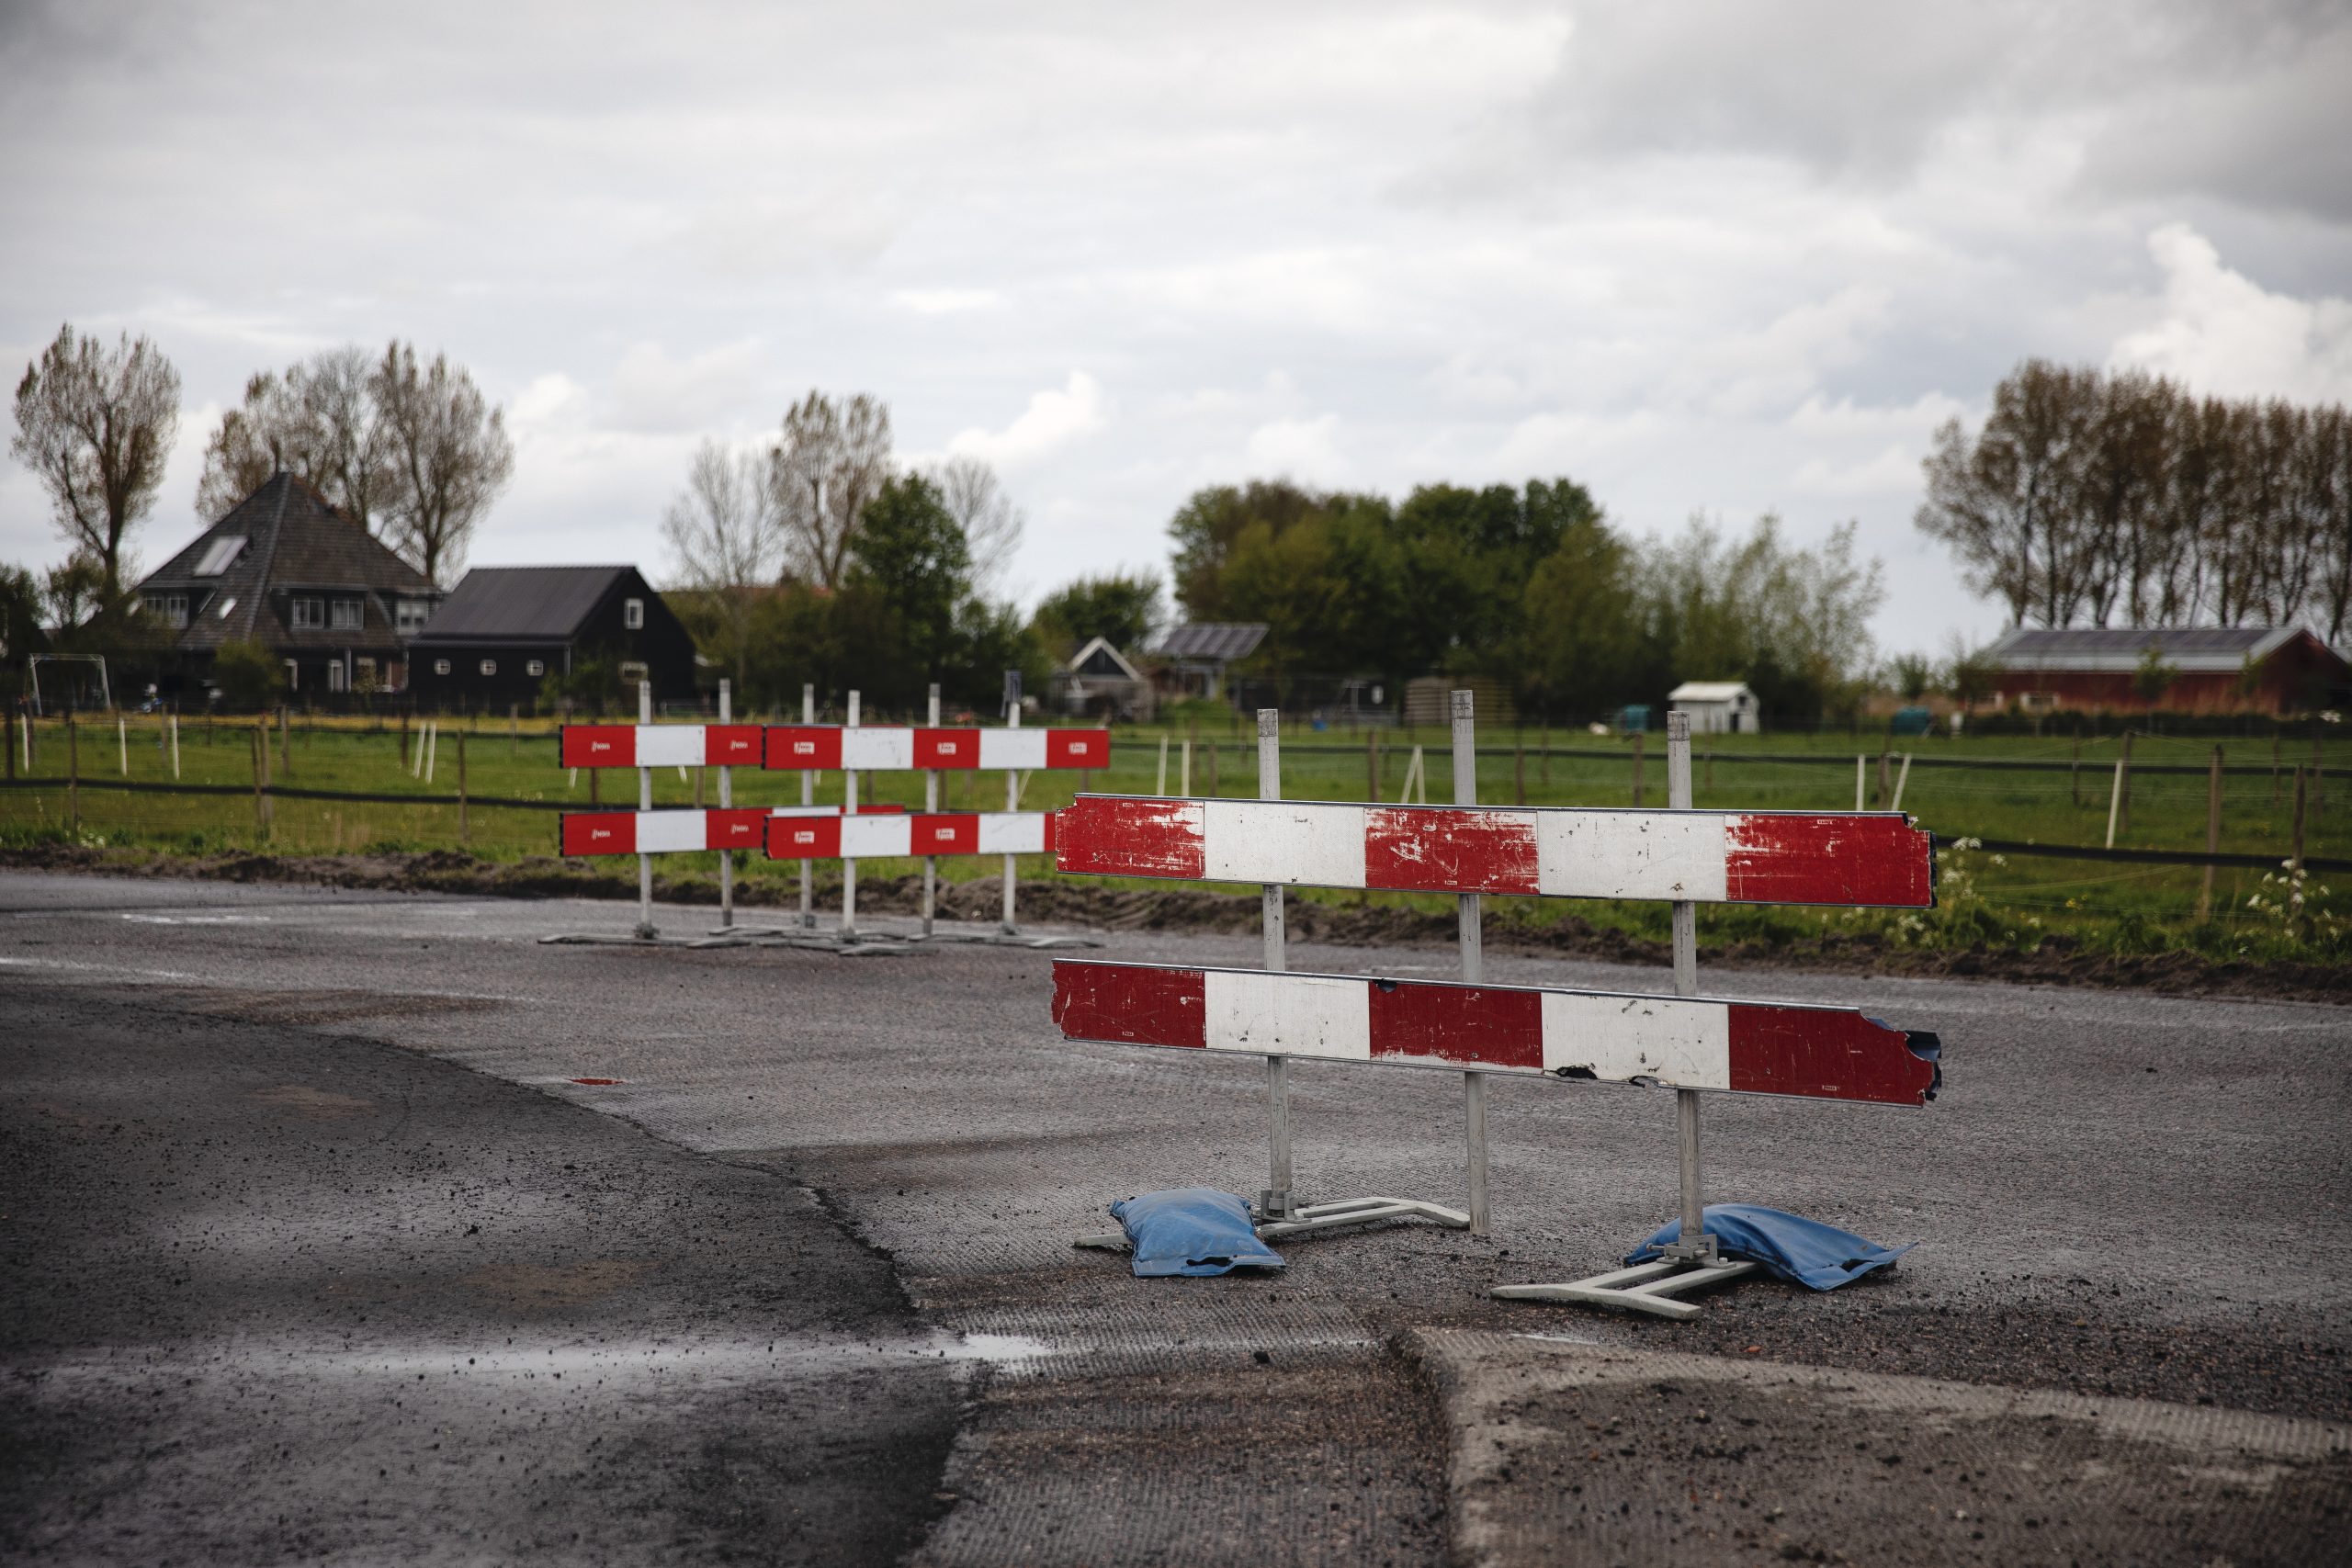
<point>346,614</point>
<point>169,608</point>
<point>307,612</point>
<point>489,667</point>
<point>293,675</point>
<point>338,679</point>
<point>633,614</point>
<point>409,616</point>
<point>440,667</point>
<point>536,667</point>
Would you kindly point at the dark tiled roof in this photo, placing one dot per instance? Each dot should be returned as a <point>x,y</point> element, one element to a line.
<point>2120,649</point>
<point>293,541</point>
<point>1211,641</point>
<point>524,604</point>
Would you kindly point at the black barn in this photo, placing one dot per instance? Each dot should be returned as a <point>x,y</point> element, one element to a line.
<point>505,628</point>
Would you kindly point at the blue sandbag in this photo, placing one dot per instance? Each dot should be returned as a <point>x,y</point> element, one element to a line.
<point>1192,1230</point>
<point>1789,1247</point>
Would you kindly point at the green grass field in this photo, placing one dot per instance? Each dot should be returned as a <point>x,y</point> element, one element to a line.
<point>2011,899</point>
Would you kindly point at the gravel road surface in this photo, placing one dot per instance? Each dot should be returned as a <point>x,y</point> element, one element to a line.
<point>2118,1196</point>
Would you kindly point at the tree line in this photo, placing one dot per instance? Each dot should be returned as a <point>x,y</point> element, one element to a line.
<point>1533,587</point>
<point>2090,497</point>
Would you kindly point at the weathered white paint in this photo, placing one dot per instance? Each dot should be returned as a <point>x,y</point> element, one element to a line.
<point>1632,855</point>
<point>1012,833</point>
<point>881,750</point>
<point>669,746</point>
<point>1282,842</point>
<point>667,832</point>
<point>1022,750</point>
<point>1684,1043</point>
<point>1289,1015</point>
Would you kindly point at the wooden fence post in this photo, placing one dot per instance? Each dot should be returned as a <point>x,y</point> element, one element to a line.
<point>260,736</point>
<point>465,831</point>
<point>2276,744</point>
<point>1638,767</point>
<point>2212,837</point>
<point>2319,777</point>
<point>2075,771</point>
<point>404,743</point>
<point>2123,783</point>
<point>8,739</point>
<point>73,774</point>
<point>1372,765</point>
<point>2295,854</point>
<point>1543,767</point>
<point>514,733</point>
<point>285,738</point>
<point>1885,780</point>
<point>1519,770</point>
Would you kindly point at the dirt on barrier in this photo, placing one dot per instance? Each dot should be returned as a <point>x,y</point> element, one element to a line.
<point>2059,960</point>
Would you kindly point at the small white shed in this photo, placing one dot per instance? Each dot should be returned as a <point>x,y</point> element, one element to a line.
<point>1718,707</point>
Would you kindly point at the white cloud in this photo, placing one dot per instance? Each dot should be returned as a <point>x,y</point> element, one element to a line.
<point>946,301</point>
<point>1053,419</point>
<point>652,391</point>
<point>1306,450</point>
<point>2225,334</point>
<point>1893,471</point>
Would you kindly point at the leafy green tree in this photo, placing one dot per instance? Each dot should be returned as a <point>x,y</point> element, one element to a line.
<point>910,554</point>
<point>1912,675</point>
<point>249,675</point>
<point>2152,677</point>
<point>1581,649</point>
<point>20,617</point>
<point>1121,607</point>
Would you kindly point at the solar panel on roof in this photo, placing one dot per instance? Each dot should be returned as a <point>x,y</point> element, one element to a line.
<point>222,551</point>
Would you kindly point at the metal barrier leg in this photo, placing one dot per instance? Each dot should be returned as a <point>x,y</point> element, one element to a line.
<point>1692,1261</point>
<point>645,803</point>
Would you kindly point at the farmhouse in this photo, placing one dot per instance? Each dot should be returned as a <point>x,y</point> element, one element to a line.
<point>505,628</point>
<point>1099,681</point>
<point>2274,669</point>
<point>286,571</point>
<point>1718,707</point>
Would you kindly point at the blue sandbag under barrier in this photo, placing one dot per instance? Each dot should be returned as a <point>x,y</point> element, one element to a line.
<point>1192,1230</point>
<point>1788,1246</point>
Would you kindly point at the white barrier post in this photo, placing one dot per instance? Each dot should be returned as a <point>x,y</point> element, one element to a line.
<point>1011,803</point>
<point>1693,1243</point>
<point>849,815</point>
<point>175,745</point>
<point>931,803</point>
<point>645,931</point>
<point>726,800</point>
<point>1473,1085</point>
<point>1274,1202</point>
<point>122,742</point>
<point>807,797</point>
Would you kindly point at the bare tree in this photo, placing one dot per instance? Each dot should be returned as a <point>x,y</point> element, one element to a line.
<point>729,533</point>
<point>992,523</point>
<point>97,425</point>
<point>2332,433</point>
<point>449,452</point>
<point>831,461</point>
<point>318,419</point>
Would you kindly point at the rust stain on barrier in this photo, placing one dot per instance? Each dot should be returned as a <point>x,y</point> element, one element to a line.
<point>1130,838</point>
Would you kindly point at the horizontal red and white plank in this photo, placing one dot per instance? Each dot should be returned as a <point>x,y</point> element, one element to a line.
<point>1708,857</point>
<point>884,750</point>
<point>1818,1052</point>
<point>796,833</point>
<point>662,833</point>
<point>662,746</point>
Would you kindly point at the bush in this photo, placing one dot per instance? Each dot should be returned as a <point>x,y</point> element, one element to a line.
<point>251,678</point>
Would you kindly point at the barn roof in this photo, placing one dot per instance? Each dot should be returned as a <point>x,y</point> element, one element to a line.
<point>2119,649</point>
<point>1207,640</point>
<point>523,604</point>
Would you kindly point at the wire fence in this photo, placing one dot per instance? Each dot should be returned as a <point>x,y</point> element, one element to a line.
<point>2059,820</point>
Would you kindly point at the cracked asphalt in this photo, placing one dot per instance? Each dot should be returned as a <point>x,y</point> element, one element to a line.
<point>876,1165</point>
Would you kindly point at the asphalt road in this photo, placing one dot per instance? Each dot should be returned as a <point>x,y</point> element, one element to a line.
<point>2117,1196</point>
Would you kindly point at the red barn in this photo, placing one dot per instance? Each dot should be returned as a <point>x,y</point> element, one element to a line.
<point>2270,670</point>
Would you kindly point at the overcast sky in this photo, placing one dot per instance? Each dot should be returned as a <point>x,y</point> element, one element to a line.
<point>1717,258</point>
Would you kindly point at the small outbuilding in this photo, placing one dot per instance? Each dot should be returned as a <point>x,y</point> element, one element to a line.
<point>1099,681</point>
<point>1718,707</point>
<point>2273,669</point>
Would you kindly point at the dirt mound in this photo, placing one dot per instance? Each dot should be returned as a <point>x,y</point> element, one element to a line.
<point>2059,960</point>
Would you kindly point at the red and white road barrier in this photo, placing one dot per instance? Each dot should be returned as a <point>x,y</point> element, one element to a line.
<point>882,749</point>
<point>662,833</point>
<point>1820,1052</point>
<point>804,833</point>
<point>1708,857</point>
<point>662,746</point>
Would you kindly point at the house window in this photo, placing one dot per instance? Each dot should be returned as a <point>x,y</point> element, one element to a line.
<point>409,616</point>
<point>440,667</point>
<point>345,614</point>
<point>309,614</point>
<point>169,608</point>
<point>228,604</point>
<point>633,613</point>
<point>490,666</point>
<point>293,675</point>
<point>335,676</point>
<point>219,554</point>
<point>536,667</point>
<point>633,670</point>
